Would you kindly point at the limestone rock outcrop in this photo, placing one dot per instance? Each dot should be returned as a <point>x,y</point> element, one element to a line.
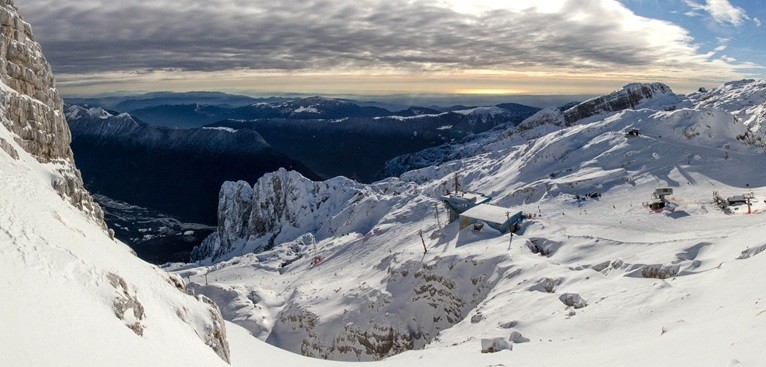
<point>34,108</point>
<point>630,96</point>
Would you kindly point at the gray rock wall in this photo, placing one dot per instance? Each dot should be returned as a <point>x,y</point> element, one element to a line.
<point>34,109</point>
<point>628,97</point>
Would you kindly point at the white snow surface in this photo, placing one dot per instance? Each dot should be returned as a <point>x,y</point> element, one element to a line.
<point>491,110</point>
<point>74,297</point>
<point>221,128</point>
<point>489,213</point>
<point>597,282</point>
<point>303,109</point>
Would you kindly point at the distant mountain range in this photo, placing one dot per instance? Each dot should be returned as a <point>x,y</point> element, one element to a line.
<point>358,147</point>
<point>197,115</point>
<point>127,103</point>
<point>332,137</point>
<point>177,171</point>
<point>397,104</point>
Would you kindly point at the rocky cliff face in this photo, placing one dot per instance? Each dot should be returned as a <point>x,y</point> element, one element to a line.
<point>630,96</point>
<point>284,205</point>
<point>34,108</point>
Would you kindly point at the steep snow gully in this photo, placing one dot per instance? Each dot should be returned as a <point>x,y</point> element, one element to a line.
<point>336,269</point>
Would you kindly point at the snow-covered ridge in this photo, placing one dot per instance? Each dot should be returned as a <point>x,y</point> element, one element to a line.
<point>99,122</point>
<point>631,96</point>
<point>491,110</point>
<point>74,112</point>
<point>221,128</point>
<point>653,97</point>
<point>317,107</point>
<point>744,99</point>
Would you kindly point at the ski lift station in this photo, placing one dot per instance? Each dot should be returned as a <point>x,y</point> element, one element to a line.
<point>457,203</point>
<point>660,198</point>
<point>737,200</point>
<point>499,218</point>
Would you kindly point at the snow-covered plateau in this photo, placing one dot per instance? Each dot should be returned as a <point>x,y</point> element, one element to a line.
<point>336,269</point>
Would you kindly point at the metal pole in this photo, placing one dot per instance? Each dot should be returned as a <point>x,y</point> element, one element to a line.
<point>438,220</point>
<point>425,250</point>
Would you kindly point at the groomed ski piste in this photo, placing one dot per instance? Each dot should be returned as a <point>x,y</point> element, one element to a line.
<point>594,281</point>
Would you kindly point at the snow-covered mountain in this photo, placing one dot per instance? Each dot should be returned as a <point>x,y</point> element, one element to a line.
<point>632,96</point>
<point>593,276</point>
<point>72,296</point>
<point>159,168</point>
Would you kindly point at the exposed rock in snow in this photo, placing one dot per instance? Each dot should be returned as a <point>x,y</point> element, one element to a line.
<point>547,285</point>
<point>417,302</point>
<point>746,254</point>
<point>517,338</point>
<point>8,148</point>
<point>126,305</point>
<point>573,300</point>
<point>495,345</point>
<point>659,271</point>
<point>214,333</point>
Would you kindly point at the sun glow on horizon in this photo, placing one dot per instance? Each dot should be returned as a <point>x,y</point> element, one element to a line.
<point>494,91</point>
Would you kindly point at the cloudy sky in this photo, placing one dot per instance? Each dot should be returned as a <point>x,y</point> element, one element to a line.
<point>397,46</point>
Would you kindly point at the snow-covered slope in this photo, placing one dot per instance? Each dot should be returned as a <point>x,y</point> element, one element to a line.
<point>601,280</point>
<point>72,296</point>
<point>744,99</point>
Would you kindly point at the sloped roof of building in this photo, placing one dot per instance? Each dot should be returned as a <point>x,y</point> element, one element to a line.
<point>737,198</point>
<point>490,213</point>
<point>474,197</point>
